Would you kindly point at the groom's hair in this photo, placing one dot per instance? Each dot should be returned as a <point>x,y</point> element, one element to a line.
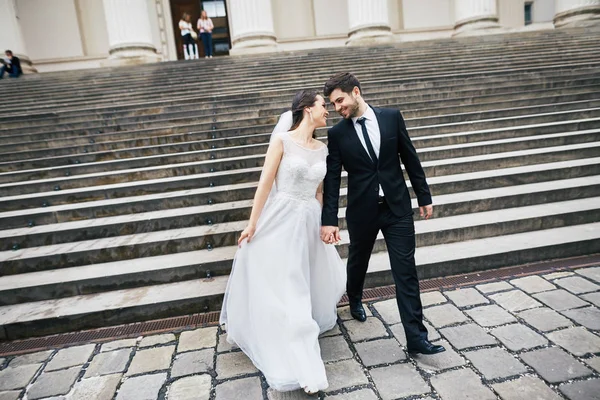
<point>344,81</point>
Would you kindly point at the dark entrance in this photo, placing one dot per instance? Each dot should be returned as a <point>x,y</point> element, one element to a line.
<point>216,10</point>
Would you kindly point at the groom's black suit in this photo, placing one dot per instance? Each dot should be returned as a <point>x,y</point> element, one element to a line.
<point>367,212</point>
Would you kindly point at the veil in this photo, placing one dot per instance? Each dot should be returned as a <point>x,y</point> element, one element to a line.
<point>283,125</point>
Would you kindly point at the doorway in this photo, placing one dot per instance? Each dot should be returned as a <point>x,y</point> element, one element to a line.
<point>217,12</point>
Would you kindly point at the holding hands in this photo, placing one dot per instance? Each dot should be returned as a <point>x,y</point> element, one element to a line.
<point>330,234</point>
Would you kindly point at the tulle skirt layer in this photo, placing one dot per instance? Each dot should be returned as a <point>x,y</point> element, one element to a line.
<point>282,293</point>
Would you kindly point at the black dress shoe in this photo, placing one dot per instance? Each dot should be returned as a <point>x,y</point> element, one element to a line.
<point>425,347</point>
<point>358,312</point>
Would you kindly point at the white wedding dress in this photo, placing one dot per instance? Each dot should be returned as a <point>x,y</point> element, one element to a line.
<point>285,284</point>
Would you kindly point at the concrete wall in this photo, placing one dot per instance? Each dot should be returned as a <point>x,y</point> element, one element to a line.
<point>331,17</point>
<point>542,11</point>
<point>293,19</point>
<point>93,27</point>
<point>511,13</point>
<point>423,14</point>
<point>50,28</point>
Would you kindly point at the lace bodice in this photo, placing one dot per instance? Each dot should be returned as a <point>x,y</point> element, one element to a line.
<point>301,169</point>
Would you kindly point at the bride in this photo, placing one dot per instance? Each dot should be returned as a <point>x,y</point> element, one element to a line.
<point>285,282</point>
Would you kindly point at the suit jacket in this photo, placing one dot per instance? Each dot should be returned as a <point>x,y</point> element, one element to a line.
<point>365,176</point>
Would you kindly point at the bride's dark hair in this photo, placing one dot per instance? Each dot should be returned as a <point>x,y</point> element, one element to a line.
<point>302,99</point>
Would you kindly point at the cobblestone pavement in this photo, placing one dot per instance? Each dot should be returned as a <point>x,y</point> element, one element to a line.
<point>535,337</point>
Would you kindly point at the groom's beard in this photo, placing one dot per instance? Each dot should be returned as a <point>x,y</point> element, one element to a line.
<point>352,111</point>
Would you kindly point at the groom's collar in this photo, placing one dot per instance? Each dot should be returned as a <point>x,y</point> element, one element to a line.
<point>368,114</point>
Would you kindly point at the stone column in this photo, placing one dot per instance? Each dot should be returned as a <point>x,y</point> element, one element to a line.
<point>474,17</point>
<point>369,22</point>
<point>11,37</point>
<point>251,23</point>
<point>129,32</point>
<point>571,13</point>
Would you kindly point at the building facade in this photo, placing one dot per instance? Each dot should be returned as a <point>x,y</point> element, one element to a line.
<point>53,35</point>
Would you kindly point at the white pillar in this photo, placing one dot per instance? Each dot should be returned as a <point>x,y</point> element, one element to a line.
<point>369,22</point>
<point>474,17</point>
<point>252,29</point>
<point>11,37</point>
<point>570,13</point>
<point>129,32</point>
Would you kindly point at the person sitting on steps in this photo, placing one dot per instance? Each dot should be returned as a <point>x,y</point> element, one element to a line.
<point>10,64</point>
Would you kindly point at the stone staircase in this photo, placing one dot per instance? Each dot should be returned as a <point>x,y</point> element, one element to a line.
<point>123,191</point>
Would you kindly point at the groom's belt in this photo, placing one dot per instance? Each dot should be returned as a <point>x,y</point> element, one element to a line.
<point>380,200</point>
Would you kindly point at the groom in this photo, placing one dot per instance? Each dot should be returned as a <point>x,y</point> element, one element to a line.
<point>369,143</point>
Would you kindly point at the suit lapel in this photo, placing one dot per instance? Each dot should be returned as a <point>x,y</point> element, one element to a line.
<point>355,143</point>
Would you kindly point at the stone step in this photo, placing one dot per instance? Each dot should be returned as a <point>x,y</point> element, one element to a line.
<point>242,119</point>
<point>124,215</point>
<point>203,148</point>
<point>45,230</point>
<point>201,295</point>
<point>225,156</point>
<point>136,188</point>
<point>248,135</point>
<point>98,277</point>
<point>239,157</point>
<point>145,244</point>
<point>287,63</point>
<point>561,60</point>
<point>262,105</point>
<point>579,144</point>
<point>549,79</point>
<point>261,71</point>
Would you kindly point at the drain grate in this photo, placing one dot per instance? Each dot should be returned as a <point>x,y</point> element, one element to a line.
<point>212,318</point>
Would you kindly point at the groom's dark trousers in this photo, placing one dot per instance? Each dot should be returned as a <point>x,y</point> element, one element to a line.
<point>367,212</point>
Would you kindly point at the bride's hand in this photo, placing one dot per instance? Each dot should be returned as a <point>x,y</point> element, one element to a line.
<point>247,233</point>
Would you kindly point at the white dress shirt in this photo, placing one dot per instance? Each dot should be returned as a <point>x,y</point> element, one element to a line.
<point>372,130</point>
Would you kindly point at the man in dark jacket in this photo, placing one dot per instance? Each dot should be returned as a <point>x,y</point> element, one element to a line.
<point>11,64</point>
<point>369,143</point>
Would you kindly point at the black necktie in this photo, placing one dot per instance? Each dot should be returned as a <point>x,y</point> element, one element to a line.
<point>362,122</point>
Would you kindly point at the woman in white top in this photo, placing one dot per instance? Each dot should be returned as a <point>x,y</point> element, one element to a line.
<point>205,27</point>
<point>190,48</point>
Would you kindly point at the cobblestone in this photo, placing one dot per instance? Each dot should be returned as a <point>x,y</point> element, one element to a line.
<point>490,316</point>
<point>444,315</point>
<point>466,336</point>
<point>588,317</point>
<point>377,352</point>
<point>150,360</point>
<point>466,297</point>
<point>585,390</point>
<point>592,273</point>
<point>518,337</point>
<point>525,388</point>
<point>491,333</point>
<point>554,365</point>
<point>372,328</point>
<point>247,388</point>
<point>398,381</point>
<point>533,284</point>
<point>53,383</point>
<point>142,387</point>
<point>495,363</point>
<point>544,319</point>
<point>515,300</point>
<point>453,385</point>
<point>577,285</point>
<point>577,341</point>
<point>560,300</point>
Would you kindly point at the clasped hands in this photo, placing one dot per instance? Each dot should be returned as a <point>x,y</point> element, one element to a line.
<point>331,234</point>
